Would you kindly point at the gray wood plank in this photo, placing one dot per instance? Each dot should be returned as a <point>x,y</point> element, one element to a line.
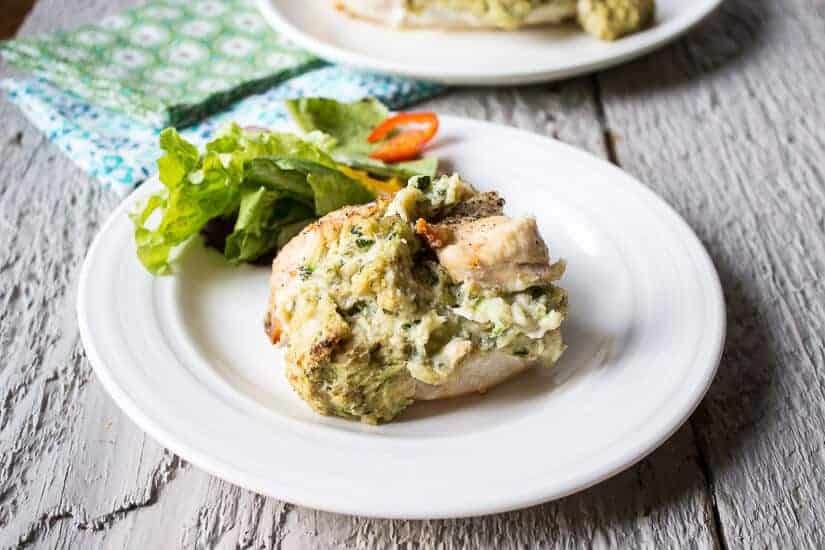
<point>699,122</point>
<point>81,475</point>
<point>727,127</point>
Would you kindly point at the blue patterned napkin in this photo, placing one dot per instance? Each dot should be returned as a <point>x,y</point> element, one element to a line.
<point>121,152</point>
<point>165,62</point>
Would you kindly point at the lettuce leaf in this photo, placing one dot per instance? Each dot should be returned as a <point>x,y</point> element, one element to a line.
<point>348,125</point>
<point>331,188</point>
<point>261,217</point>
<point>271,184</point>
<point>265,172</point>
<point>425,166</point>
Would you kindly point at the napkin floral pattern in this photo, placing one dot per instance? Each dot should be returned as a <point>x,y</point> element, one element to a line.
<point>121,152</point>
<point>103,91</point>
<point>167,62</point>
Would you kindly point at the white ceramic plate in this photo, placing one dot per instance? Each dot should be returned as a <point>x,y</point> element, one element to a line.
<point>187,359</point>
<point>472,57</point>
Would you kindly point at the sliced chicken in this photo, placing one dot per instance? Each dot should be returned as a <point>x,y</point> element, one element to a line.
<point>494,252</point>
<point>477,374</point>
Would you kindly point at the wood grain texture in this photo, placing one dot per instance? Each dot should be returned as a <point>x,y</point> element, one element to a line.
<point>727,127</point>
<point>724,124</point>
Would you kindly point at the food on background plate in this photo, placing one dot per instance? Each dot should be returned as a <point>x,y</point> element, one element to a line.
<point>431,294</point>
<point>251,190</point>
<point>605,19</point>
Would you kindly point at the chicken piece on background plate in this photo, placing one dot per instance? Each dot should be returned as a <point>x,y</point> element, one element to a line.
<point>605,19</point>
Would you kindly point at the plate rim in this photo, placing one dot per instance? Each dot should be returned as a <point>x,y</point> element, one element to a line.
<point>229,472</point>
<point>627,49</point>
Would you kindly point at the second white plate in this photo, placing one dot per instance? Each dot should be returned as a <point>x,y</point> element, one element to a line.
<point>186,356</point>
<point>472,57</point>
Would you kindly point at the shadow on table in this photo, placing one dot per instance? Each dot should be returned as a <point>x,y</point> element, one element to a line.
<point>671,488</point>
<point>674,485</point>
<point>681,472</point>
<point>676,481</point>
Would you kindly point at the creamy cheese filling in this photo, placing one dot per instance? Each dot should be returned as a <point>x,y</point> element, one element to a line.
<point>370,311</point>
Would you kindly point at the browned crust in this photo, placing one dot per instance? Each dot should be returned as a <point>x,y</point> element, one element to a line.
<point>272,327</point>
<point>436,236</point>
<point>481,205</point>
<point>288,265</point>
<point>322,350</point>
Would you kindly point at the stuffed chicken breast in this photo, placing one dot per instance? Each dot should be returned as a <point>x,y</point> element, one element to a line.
<point>606,19</point>
<point>432,294</point>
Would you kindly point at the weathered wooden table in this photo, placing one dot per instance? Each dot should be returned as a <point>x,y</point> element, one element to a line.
<point>726,124</point>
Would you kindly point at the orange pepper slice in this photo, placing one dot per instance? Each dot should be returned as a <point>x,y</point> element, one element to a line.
<point>406,145</point>
<point>380,187</point>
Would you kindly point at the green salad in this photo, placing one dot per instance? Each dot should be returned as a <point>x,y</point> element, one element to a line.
<point>251,190</point>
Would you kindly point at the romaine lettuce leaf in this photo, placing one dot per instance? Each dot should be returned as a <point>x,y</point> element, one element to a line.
<point>261,217</point>
<point>265,172</point>
<point>331,188</point>
<point>349,124</point>
<point>425,166</point>
<point>198,188</point>
<point>271,184</point>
